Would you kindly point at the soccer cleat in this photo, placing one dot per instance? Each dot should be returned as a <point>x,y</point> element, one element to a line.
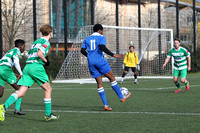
<point>136,83</point>
<point>187,86</point>
<point>2,112</point>
<point>107,108</point>
<point>51,117</point>
<point>19,112</point>
<point>125,97</point>
<point>177,91</point>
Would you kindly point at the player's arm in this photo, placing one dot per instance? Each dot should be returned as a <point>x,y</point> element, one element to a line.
<point>84,48</point>
<point>40,54</point>
<point>166,61</point>
<point>107,51</point>
<point>136,59</point>
<point>125,58</point>
<point>189,62</point>
<point>83,51</point>
<point>137,62</point>
<point>17,66</point>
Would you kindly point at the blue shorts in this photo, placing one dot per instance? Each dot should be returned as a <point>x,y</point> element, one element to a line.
<point>100,69</point>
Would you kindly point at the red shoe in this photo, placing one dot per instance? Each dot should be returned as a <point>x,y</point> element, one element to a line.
<point>107,108</point>
<point>125,97</point>
<point>177,91</point>
<point>187,86</point>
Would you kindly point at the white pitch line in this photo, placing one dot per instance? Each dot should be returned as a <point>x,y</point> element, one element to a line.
<point>39,88</point>
<point>175,87</point>
<point>112,112</point>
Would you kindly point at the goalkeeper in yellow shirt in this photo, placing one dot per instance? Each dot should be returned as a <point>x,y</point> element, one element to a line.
<point>130,61</point>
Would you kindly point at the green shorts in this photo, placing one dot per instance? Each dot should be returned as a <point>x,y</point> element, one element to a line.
<point>7,74</point>
<point>32,73</point>
<point>181,73</point>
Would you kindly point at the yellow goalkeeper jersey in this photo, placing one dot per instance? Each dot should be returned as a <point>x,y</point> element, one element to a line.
<point>131,59</point>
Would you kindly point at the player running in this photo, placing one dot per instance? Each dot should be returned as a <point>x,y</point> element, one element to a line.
<point>130,61</point>
<point>6,73</point>
<point>93,48</point>
<point>35,72</point>
<point>182,61</point>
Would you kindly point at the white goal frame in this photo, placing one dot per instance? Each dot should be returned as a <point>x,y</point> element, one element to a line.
<point>91,80</point>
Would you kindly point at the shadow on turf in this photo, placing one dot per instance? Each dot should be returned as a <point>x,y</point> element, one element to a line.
<point>65,107</point>
<point>11,114</point>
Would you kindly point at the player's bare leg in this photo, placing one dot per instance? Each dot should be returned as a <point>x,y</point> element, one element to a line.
<point>47,102</point>
<point>116,87</point>
<point>11,100</point>
<point>177,84</point>
<point>102,93</point>
<point>183,80</point>
<point>18,102</point>
<point>1,91</point>
<point>110,76</point>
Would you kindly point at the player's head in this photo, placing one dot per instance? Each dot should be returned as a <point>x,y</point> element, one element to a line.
<point>46,30</point>
<point>98,28</point>
<point>19,43</point>
<point>131,48</point>
<point>177,43</point>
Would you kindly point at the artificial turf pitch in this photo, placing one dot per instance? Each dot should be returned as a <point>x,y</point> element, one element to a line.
<point>152,108</point>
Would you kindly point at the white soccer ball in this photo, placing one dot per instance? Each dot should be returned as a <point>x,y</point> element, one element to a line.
<point>124,91</point>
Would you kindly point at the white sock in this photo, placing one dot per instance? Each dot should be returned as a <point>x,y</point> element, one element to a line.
<point>135,80</point>
<point>122,79</point>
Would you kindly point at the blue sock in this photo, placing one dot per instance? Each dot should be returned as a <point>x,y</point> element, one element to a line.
<point>116,88</point>
<point>102,95</point>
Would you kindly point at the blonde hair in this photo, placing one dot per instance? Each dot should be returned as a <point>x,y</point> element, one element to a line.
<point>46,29</point>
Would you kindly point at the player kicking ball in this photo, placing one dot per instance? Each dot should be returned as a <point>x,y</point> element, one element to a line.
<point>6,73</point>
<point>35,72</point>
<point>93,48</point>
<point>182,62</point>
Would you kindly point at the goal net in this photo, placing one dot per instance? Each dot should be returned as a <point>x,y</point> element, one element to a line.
<point>151,46</point>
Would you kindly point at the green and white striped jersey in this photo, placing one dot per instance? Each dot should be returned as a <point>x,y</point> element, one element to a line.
<point>180,57</point>
<point>40,44</point>
<point>10,56</point>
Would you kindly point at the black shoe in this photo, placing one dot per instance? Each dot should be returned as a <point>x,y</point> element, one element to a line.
<point>19,112</point>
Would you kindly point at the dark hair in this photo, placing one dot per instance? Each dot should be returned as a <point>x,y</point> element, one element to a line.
<point>46,29</point>
<point>177,39</point>
<point>131,46</point>
<point>19,42</point>
<point>97,27</point>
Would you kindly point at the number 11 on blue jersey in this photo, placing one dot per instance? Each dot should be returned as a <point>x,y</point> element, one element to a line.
<point>92,44</point>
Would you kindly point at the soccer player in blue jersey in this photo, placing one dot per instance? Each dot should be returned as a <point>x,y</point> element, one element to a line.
<point>93,48</point>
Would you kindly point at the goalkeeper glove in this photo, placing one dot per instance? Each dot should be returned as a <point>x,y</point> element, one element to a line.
<point>123,66</point>
<point>138,67</point>
<point>48,62</point>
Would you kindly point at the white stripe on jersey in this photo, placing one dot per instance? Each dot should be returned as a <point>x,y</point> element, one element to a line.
<point>177,54</point>
<point>180,68</point>
<point>33,55</point>
<point>179,64</point>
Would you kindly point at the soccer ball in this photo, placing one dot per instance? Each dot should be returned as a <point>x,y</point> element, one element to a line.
<point>124,91</point>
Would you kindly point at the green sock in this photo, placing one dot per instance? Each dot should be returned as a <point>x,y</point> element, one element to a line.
<point>47,104</point>
<point>178,85</point>
<point>10,100</point>
<point>18,104</point>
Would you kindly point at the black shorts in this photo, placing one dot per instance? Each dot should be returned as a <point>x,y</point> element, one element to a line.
<point>132,68</point>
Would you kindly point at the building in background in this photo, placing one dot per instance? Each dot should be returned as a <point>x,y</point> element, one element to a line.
<point>79,14</point>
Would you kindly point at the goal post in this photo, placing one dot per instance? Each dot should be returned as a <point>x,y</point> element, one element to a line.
<point>118,39</point>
